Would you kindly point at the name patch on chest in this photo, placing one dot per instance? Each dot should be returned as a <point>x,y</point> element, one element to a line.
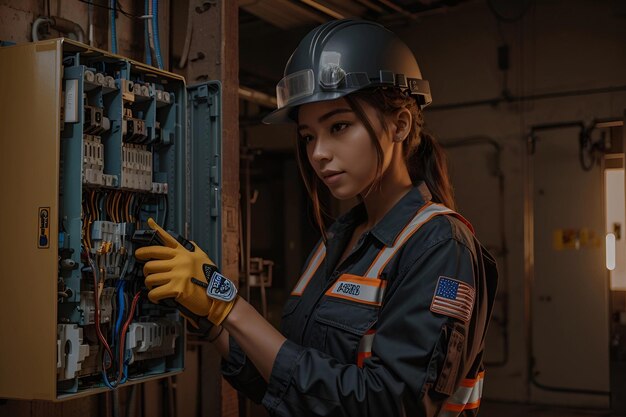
<point>359,289</point>
<point>350,289</point>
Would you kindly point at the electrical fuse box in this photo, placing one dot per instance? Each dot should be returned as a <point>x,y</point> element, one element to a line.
<point>94,144</point>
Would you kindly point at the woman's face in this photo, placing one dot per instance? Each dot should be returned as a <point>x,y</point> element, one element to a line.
<point>339,146</point>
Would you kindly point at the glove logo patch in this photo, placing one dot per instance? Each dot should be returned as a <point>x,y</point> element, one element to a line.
<point>219,287</point>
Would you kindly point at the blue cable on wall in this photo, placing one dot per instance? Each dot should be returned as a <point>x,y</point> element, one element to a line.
<point>112,14</point>
<point>146,33</point>
<point>155,33</point>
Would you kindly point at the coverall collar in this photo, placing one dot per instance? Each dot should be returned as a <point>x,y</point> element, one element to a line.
<point>390,226</point>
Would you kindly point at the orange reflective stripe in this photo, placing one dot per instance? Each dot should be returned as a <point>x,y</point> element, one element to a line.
<point>460,407</point>
<point>361,357</point>
<point>472,406</point>
<point>314,264</point>
<point>365,347</point>
<point>465,222</point>
<point>466,397</point>
<point>454,407</point>
<point>470,382</point>
<point>423,208</point>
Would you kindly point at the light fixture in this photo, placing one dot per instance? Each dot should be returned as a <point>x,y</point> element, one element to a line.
<point>610,251</point>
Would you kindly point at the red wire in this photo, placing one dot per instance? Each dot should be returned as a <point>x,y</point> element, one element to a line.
<point>97,314</point>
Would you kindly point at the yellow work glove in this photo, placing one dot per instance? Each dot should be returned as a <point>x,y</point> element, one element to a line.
<point>188,276</point>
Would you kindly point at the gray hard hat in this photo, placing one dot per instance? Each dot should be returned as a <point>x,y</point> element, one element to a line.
<point>344,56</point>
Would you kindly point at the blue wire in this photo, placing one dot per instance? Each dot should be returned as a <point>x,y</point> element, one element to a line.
<point>121,307</point>
<point>113,6</point>
<point>155,33</point>
<point>146,35</point>
<point>120,316</point>
<point>105,378</point>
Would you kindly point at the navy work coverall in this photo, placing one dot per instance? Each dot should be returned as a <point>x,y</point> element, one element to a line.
<point>386,332</point>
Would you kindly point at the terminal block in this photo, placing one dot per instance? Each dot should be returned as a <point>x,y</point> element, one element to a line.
<point>93,160</point>
<point>136,167</point>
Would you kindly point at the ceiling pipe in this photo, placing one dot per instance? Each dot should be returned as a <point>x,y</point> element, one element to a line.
<point>258,97</point>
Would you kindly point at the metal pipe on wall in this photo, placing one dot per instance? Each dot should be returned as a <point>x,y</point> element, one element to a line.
<point>495,101</point>
<point>60,24</point>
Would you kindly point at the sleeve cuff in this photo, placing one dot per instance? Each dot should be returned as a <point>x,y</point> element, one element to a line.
<point>282,371</point>
<point>236,360</point>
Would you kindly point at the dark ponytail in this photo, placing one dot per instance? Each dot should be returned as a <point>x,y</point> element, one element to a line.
<point>428,162</point>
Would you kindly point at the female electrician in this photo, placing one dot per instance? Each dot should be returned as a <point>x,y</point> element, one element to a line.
<point>390,313</point>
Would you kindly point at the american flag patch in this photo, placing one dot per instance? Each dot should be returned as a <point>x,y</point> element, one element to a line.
<point>453,298</point>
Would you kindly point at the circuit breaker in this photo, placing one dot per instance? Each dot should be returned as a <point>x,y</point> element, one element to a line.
<point>93,145</point>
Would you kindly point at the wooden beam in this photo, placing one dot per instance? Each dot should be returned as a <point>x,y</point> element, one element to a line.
<point>214,55</point>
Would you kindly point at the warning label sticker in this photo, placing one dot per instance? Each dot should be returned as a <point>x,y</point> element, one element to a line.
<point>43,241</point>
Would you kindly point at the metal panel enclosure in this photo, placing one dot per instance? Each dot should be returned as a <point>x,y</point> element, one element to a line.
<point>124,149</point>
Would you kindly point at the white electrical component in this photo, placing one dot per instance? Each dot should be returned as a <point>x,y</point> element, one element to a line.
<point>71,101</point>
<point>93,160</point>
<point>133,129</point>
<point>153,338</point>
<point>110,180</point>
<point>171,330</point>
<point>109,81</point>
<point>88,307</point>
<point>136,167</point>
<point>106,304</point>
<point>90,80</point>
<point>103,232</point>
<point>146,170</point>
<point>71,351</point>
<point>95,123</point>
<point>163,97</point>
<point>100,79</point>
<point>127,89</point>
<point>89,76</point>
<point>109,242</point>
<point>159,187</point>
